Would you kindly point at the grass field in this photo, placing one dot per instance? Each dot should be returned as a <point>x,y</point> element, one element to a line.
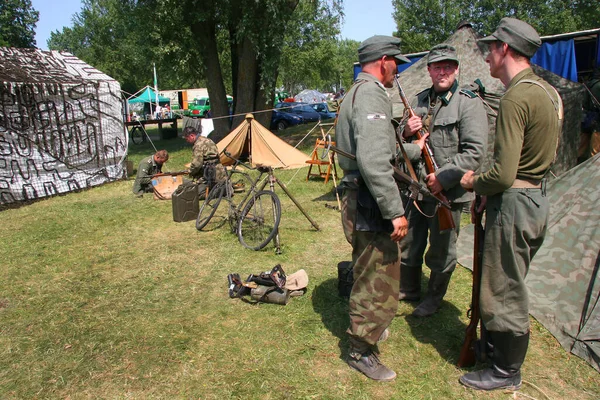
<point>105,297</point>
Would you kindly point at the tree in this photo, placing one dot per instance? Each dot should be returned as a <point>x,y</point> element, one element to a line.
<point>423,23</point>
<point>17,23</point>
<point>229,46</point>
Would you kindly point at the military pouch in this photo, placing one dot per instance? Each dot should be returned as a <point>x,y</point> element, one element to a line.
<point>368,215</point>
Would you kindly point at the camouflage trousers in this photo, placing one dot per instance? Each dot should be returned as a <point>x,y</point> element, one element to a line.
<point>515,227</point>
<point>374,298</point>
<point>441,255</point>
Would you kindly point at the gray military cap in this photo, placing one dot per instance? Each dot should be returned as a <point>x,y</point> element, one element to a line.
<point>378,46</point>
<point>442,52</point>
<point>517,34</point>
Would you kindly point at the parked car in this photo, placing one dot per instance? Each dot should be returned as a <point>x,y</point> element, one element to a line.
<point>281,120</point>
<point>302,109</point>
<point>323,109</point>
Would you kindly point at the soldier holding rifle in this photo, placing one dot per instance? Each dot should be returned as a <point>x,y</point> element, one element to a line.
<point>527,130</point>
<point>458,130</point>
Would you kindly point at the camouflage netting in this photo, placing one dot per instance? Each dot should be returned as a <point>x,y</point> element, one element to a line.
<point>473,67</point>
<point>564,290</point>
<point>61,125</point>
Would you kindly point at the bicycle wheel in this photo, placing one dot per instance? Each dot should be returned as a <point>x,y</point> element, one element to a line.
<point>240,188</point>
<point>259,220</point>
<point>137,137</point>
<point>209,208</point>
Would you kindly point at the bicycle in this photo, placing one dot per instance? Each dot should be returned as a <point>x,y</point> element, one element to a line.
<point>255,218</point>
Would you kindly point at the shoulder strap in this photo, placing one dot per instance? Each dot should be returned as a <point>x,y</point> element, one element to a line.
<point>558,104</point>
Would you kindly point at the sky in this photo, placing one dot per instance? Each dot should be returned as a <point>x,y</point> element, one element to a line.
<point>362,19</point>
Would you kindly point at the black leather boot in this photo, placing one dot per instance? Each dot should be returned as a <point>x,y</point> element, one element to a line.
<point>505,373</point>
<point>410,283</point>
<point>438,284</point>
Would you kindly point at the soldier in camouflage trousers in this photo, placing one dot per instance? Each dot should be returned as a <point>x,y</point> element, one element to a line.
<point>205,167</point>
<point>364,129</point>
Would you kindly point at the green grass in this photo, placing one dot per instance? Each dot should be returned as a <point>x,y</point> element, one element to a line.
<point>104,296</point>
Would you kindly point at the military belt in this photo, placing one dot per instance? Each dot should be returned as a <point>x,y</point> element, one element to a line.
<point>526,184</point>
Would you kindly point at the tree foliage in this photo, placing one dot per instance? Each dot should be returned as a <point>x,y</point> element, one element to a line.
<point>238,47</point>
<point>423,23</point>
<point>17,23</point>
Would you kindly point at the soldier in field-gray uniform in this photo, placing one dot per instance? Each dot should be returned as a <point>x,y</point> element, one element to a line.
<point>148,167</point>
<point>513,192</point>
<point>458,130</point>
<point>364,129</point>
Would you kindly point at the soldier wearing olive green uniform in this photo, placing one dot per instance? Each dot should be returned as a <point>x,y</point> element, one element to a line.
<point>527,130</point>
<point>458,130</point>
<point>364,129</point>
<point>148,167</point>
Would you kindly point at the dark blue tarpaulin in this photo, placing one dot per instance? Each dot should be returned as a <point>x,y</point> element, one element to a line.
<point>558,57</point>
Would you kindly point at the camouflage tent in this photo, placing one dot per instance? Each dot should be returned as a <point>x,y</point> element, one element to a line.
<point>563,284</point>
<point>564,289</point>
<point>473,67</point>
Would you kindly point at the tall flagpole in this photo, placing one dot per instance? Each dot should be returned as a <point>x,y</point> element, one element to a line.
<point>155,88</point>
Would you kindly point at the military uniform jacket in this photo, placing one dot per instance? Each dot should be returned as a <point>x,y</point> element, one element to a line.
<point>146,169</point>
<point>203,150</point>
<point>458,132</point>
<point>364,129</point>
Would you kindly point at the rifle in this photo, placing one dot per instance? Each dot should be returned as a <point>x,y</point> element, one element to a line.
<point>444,214</point>
<point>414,187</point>
<point>468,353</point>
<point>174,173</point>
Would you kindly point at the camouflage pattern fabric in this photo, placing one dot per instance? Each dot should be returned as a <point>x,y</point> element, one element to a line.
<point>563,283</point>
<point>205,150</point>
<point>374,297</point>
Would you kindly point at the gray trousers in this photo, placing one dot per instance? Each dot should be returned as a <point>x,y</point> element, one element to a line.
<point>441,255</point>
<point>515,227</point>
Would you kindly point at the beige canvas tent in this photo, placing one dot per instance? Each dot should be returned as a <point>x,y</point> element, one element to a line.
<point>252,141</point>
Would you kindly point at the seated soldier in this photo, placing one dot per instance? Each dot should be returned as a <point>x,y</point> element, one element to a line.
<point>205,167</point>
<point>149,166</point>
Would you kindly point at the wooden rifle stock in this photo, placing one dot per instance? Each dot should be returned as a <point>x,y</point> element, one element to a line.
<point>467,355</point>
<point>444,214</point>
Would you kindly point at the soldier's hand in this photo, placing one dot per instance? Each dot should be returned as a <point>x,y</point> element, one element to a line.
<point>400,228</point>
<point>467,180</point>
<point>433,184</point>
<point>413,125</point>
<point>421,142</point>
<point>479,210</point>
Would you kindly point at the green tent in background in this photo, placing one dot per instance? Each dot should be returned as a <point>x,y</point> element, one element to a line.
<point>148,95</point>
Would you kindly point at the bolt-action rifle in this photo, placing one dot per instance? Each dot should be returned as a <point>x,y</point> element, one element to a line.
<point>174,173</point>
<point>468,352</point>
<point>444,214</point>
<point>400,176</point>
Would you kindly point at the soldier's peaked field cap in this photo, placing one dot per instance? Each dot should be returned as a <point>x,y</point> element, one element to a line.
<point>442,52</point>
<point>517,34</point>
<point>378,46</point>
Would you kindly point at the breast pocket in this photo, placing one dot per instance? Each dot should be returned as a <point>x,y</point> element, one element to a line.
<point>445,132</point>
